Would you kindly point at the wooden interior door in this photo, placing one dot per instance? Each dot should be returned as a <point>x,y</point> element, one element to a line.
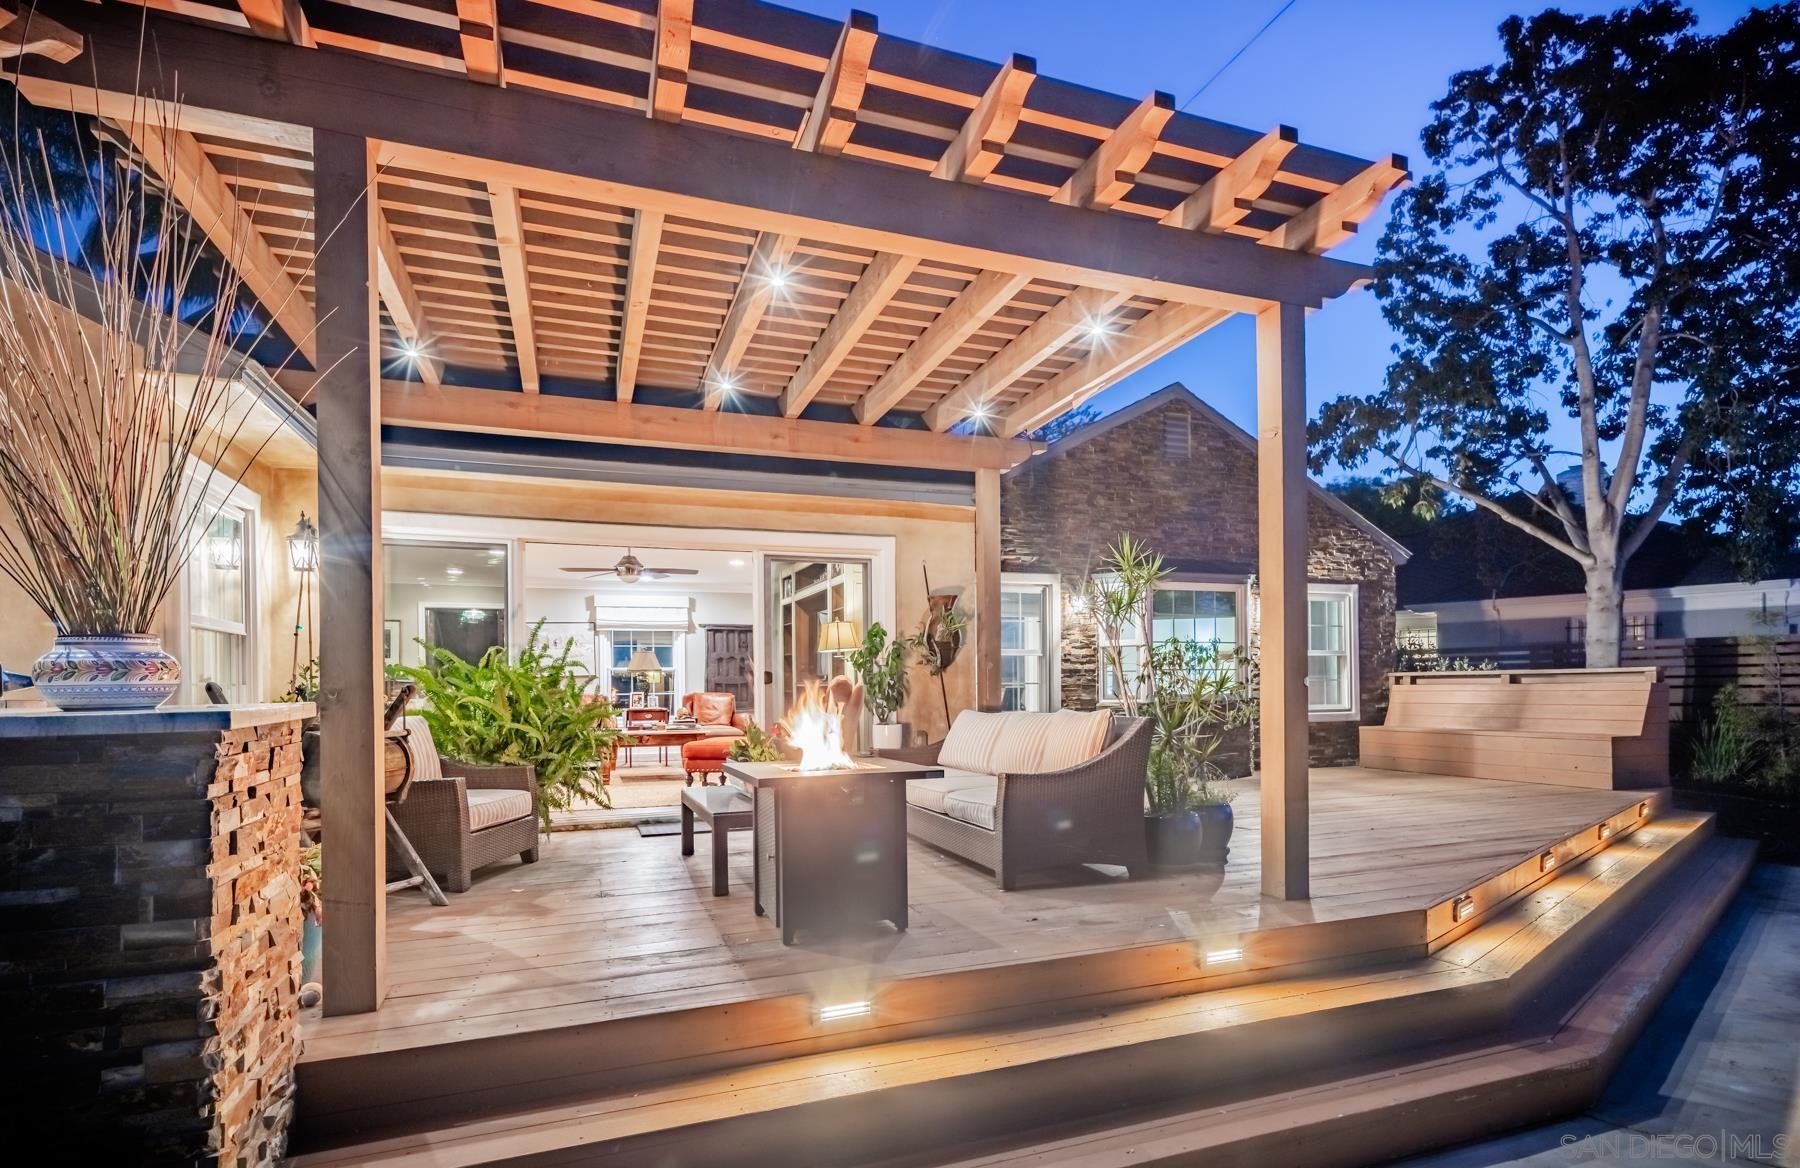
<point>731,662</point>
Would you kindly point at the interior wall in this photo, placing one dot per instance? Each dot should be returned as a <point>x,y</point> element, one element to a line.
<point>569,606</point>
<point>927,536</point>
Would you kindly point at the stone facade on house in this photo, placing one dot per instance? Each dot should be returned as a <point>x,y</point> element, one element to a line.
<point>1174,473</point>
<point>149,904</point>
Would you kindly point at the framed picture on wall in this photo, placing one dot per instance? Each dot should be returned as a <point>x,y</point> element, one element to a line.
<point>390,642</point>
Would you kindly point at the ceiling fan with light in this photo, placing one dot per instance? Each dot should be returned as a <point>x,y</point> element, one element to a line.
<point>630,569</point>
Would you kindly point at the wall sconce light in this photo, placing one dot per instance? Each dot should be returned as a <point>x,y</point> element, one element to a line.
<point>303,546</point>
<point>225,551</point>
<point>1644,809</point>
<point>1224,956</point>
<point>1604,832</point>
<point>1463,907</point>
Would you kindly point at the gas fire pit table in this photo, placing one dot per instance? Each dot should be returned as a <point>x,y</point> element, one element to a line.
<point>830,846</point>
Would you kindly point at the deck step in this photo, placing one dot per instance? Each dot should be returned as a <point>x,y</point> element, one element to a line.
<point>1536,1071</point>
<point>914,1098</point>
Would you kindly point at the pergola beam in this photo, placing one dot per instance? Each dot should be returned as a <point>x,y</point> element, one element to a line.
<point>833,115</point>
<point>755,292</point>
<point>478,28</point>
<point>883,277</point>
<point>402,301</point>
<point>978,147</point>
<point>669,59</point>
<point>1083,308</point>
<point>33,34</point>
<point>178,158</point>
<point>544,142</point>
<point>1112,169</point>
<point>488,411</point>
<point>985,295</point>
<point>509,241</point>
<point>1225,198</point>
<point>646,241</point>
<point>1106,363</point>
<point>278,20</point>
<point>1333,219</point>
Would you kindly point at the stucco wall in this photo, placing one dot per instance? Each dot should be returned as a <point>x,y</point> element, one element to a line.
<point>1061,511</point>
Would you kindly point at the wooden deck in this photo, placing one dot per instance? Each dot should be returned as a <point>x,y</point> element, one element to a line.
<point>611,925</point>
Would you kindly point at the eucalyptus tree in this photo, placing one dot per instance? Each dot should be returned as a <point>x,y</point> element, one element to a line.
<point>1606,232</point>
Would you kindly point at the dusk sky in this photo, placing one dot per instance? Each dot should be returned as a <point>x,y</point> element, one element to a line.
<point>1352,75</point>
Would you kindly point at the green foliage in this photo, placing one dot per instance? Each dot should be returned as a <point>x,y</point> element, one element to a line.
<point>1594,243</point>
<point>311,876</point>
<point>305,685</point>
<point>881,665</point>
<point>1119,598</point>
<point>1726,746</point>
<point>530,710</point>
<point>757,745</point>
<point>939,638</point>
<point>1198,698</point>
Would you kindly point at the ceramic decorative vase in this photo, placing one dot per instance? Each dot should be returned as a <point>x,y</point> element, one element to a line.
<point>124,672</point>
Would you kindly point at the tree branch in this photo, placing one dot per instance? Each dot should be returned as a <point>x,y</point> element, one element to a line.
<point>1643,372</point>
<point>1665,494</point>
<point>1486,504</point>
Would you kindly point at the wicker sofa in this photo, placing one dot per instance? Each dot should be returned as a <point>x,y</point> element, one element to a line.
<point>1026,792</point>
<point>461,816</point>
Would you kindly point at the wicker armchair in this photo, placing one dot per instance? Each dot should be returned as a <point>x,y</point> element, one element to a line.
<point>1089,813</point>
<point>437,817</point>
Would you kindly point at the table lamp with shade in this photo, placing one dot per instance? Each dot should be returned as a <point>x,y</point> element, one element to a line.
<point>840,636</point>
<point>644,665</point>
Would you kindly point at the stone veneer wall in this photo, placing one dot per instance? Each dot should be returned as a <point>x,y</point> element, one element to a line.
<point>150,966</point>
<point>1060,512</point>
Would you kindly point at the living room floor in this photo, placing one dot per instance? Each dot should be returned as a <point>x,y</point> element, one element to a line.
<point>610,924</point>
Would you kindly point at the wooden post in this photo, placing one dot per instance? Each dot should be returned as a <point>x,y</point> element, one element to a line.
<point>1281,576</point>
<point>987,589</point>
<point>348,398</point>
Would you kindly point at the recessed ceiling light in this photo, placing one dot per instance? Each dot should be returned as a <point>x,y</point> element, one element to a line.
<point>412,349</point>
<point>778,278</point>
<point>453,571</point>
<point>1096,329</point>
<point>735,563</point>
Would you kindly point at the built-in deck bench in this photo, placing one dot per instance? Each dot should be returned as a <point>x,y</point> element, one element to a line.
<point>1605,728</point>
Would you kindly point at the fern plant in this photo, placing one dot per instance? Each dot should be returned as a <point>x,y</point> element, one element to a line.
<point>530,710</point>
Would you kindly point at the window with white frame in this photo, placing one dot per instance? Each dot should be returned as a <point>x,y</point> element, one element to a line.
<point>1200,614</point>
<point>1026,666</point>
<point>1331,681</point>
<point>218,600</point>
<point>642,687</point>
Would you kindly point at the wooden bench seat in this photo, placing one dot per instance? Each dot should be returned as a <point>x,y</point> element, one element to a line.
<point>1606,728</point>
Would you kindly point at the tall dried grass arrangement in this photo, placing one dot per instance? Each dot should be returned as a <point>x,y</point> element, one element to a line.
<point>116,422</point>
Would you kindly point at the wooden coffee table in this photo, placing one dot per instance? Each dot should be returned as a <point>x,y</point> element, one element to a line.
<point>830,847</point>
<point>661,737</point>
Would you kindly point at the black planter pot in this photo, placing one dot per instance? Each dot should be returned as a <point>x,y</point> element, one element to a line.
<point>1187,840</point>
<point>310,785</point>
<point>1173,840</point>
<point>1216,823</point>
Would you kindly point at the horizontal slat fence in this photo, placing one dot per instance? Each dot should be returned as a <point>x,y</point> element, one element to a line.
<point>1766,670</point>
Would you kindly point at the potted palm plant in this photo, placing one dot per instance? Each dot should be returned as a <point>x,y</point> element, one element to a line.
<point>1199,698</point>
<point>880,663</point>
<point>1119,599</point>
<point>110,514</point>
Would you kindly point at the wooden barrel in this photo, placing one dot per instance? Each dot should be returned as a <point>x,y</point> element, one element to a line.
<point>397,764</point>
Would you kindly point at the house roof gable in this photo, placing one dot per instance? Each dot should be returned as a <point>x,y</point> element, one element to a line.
<point>1175,392</point>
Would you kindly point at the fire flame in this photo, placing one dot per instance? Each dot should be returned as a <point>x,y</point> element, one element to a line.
<point>815,726</point>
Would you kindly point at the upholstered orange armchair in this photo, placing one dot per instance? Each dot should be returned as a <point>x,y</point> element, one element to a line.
<point>717,713</point>
<point>718,716</point>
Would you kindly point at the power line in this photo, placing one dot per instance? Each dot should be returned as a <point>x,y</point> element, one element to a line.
<point>1244,48</point>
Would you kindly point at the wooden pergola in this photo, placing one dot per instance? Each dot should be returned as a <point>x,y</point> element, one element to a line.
<point>758,231</point>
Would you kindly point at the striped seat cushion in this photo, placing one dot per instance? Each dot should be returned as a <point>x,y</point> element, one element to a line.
<point>1074,737</point>
<point>490,807</point>
<point>1022,743</point>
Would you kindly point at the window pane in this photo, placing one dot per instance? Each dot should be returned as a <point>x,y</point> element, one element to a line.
<point>216,656</point>
<point>443,593</point>
<point>1325,681</point>
<point>219,570</point>
<point>1023,647</point>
